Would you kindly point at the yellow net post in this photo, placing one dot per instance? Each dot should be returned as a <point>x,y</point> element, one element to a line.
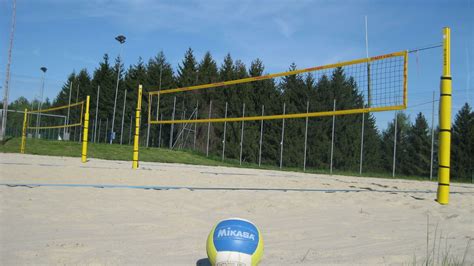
<point>23,132</point>
<point>137,128</point>
<point>445,122</point>
<point>86,131</point>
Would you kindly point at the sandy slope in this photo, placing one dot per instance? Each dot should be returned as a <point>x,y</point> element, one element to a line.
<point>86,225</point>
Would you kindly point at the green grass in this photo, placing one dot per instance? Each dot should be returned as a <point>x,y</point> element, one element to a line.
<point>106,151</point>
<point>124,152</point>
<point>439,251</point>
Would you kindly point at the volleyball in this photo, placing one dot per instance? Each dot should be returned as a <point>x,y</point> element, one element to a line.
<point>234,241</point>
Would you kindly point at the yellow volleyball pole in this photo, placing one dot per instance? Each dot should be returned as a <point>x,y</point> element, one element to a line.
<point>445,122</point>
<point>137,128</point>
<point>23,132</point>
<point>86,131</point>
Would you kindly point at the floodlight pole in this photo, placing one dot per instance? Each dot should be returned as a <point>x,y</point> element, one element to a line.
<point>208,129</point>
<point>68,108</point>
<point>332,135</point>
<point>395,145</point>
<point>64,130</point>
<point>225,131</point>
<point>432,136</point>
<point>183,127</point>
<point>159,134</point>
<point>282,136</point>
<point>148,122</point>
<point>261,138</point>
<point>123,117</point>
<point>305,137</point>
<point>242,134</point>
<point>98,133</point>
<point>158,105</point>
<point>96,112</point>
<point>130,131</point>
<point>77,100</point>
<point>361,160</point>
<point>106,129</point>
<point>92,128</point>
<point>195,125</point>
<point>38,118</point>
<point>121,40</point>
<point>7,78</point>
<point>172,124</point>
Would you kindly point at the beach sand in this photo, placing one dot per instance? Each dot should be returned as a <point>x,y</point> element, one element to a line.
<point>376,221</point>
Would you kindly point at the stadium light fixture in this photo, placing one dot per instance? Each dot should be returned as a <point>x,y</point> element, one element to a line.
<point>121,39</point>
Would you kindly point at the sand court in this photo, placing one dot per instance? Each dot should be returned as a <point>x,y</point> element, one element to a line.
<point>103,212</point>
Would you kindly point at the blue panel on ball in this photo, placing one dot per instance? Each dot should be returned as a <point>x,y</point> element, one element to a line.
<point>236,235</point>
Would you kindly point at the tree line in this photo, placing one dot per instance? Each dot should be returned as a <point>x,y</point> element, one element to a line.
<point>269,96</point>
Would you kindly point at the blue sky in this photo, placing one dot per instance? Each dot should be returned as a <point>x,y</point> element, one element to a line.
<point>66,35</point>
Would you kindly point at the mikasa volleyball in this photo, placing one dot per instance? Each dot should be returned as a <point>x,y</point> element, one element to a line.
<point>234,241</point>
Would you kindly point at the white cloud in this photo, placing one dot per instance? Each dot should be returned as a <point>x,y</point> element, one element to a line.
<point>284,27</point>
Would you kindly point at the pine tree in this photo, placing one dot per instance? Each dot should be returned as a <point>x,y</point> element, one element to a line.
<point>80,88</point>
<point>462,161</point>
<point>319,129</point>
<point>372,156</point>
<point>419,145</point>
<point>136,75</point>
<point>15,120</point>
<point>208,73</point>
<point>187,70</point>
<point>63,96</point>
<point>105,77</point>
<point>348,127</point>
<point>83,85</point>
<point>159,68</point>
<point>207,70</point>
<point>243,92</point>
<point>265,93</point>
<point>227,72</point>
<point>402,158</point>
<point>295,98</point>
<point>187,76</point>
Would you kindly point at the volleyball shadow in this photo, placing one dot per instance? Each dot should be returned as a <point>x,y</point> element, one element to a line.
<point>203,262</point>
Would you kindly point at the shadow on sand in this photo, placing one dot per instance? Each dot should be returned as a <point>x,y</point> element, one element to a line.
<point>203,262</point>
